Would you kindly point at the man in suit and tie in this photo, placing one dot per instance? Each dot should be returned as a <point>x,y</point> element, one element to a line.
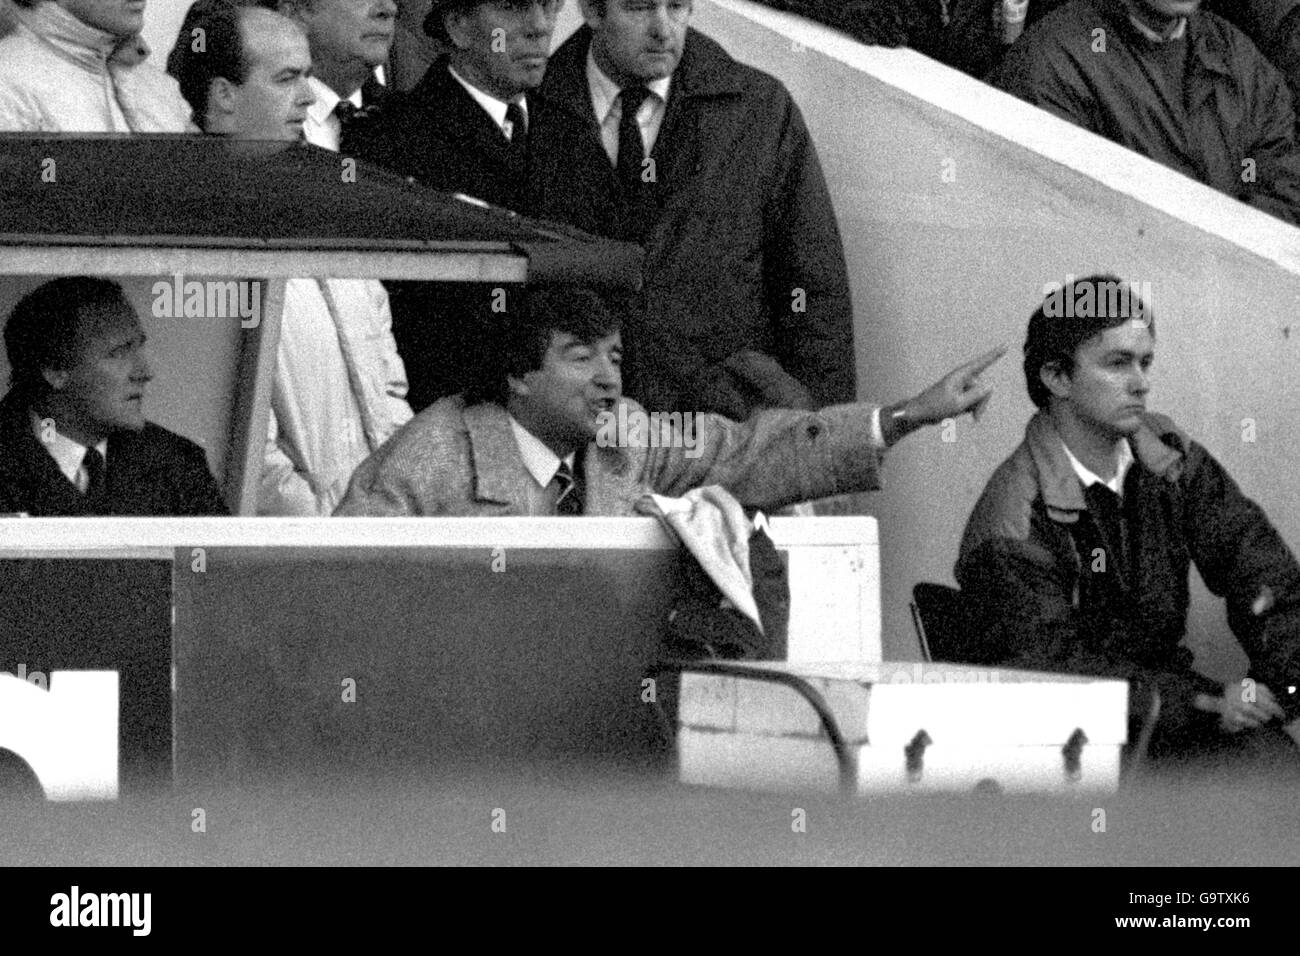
<point>549,432</point>
<point>463,129</point>
<point>349,41</point>
<point>647,130</point>
<point>73,437</point>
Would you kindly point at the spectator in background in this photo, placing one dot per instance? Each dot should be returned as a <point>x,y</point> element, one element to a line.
<point>649,131</point>
<point>970,35</point>
<point>79,66</point>
<point>463,129</point>
<point>1274,27</point>
<point>349,40</point>
<point>340,386</point>
<point>73,437</point>
<point>1172,82</point>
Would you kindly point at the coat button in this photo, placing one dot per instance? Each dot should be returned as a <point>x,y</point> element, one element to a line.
<point>814,431</point>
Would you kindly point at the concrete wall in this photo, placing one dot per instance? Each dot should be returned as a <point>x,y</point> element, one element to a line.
<point>958,203</point>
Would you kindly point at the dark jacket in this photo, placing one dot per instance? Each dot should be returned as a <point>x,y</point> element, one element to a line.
<point>1047,586</point>
<point>153,472</point>
<point>1274,27</point>
<point>441,136</point>
<point>1234,129</point>
<point>743,251</point>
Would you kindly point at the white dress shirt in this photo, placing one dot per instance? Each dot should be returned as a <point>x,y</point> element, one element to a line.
<point>68,454</point>
<point>494,107</point>
<point>609,109</point>
<point>542,463</point>
<point>1124,459</point>
<point>322,127</point>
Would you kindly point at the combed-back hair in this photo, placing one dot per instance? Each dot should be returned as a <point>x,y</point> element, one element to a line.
<point>42,331</point>
<point>198,58</point>
<point>1069,317</point>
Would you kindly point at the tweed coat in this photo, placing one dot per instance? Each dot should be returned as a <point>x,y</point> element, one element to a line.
<point>457,460</point>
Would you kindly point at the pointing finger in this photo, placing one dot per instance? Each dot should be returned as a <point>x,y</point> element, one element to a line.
<point>977,365</point>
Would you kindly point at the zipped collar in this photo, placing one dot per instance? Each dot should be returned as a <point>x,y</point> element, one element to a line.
<point>79,43</point>
<point>1059,483</point>
<point>705,70</point>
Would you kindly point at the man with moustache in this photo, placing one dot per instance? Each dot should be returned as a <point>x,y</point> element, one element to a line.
<point>79,66</point>
<point>462,129</point>
<point>340,385</point>
<point>647,130</point>
<point>73,437</point>
<point>1171,81</point>
<point>349,41</point>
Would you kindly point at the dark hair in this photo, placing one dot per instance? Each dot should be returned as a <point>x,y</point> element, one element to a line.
<point>42,331</point>
<point>1070,316</point>
<point>435,24</point>
<point>25,3</point>
<point>222,54</point>
<point>517,340</point>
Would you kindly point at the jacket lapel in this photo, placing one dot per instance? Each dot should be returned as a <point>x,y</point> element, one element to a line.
<point>28,472</point>
<point>612,486</point>
<point>499,473</point>
<point>1061,489</point>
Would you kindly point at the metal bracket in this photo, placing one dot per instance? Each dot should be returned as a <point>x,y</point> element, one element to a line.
<point>915,754</point>
<point>1073,754</point>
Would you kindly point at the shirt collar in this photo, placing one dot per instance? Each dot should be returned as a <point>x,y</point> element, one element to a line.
<point>1177,33</point>
<point>496,108</point>
<point>605,91</point>
<point>326,99</point>
<point>1124,455</point>
<point>67,453</point>
<point>541,462</point>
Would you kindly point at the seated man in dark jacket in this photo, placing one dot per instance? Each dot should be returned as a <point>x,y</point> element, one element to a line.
<point>1170,81</point>
<point>73,437</point>
<point>1076,556</point>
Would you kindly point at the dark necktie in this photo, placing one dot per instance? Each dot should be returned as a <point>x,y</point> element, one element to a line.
<point>569,501</point>
<point>352,120</point>
<point>631,148</point>
<point>518,133</point>
<point>93,462</point>
<point>1107,509</point>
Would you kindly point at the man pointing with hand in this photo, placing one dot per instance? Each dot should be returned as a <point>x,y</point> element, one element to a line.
<point>531,437</point>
